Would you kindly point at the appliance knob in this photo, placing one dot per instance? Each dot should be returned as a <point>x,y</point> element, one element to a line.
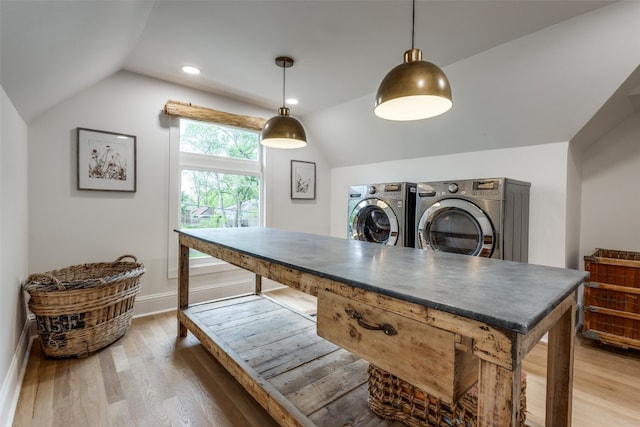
<point>453,188</point>
<point>372,189</point>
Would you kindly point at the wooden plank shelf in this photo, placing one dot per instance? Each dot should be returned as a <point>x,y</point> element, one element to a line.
<point>274,352</point>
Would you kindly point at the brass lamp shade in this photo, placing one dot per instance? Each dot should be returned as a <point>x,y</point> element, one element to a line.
<point>413,90</point>
<point>283,131</point>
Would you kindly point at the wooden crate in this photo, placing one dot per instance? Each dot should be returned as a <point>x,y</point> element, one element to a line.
<point>612,298</point>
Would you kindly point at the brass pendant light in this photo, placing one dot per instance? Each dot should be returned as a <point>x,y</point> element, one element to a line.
<point>283,131</point>
<point>413,90</point>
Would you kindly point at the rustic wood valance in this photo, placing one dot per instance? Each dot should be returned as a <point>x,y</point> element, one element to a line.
<point>194,112</point>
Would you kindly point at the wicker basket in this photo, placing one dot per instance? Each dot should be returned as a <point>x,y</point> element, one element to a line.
<point>82,308</point>
<point>394,399</point>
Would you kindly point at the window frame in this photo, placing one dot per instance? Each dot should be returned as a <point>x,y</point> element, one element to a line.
<point>179,161</point>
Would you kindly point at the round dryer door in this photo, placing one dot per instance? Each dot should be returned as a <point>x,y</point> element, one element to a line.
<point>458,226</point>
<point>373,220</point>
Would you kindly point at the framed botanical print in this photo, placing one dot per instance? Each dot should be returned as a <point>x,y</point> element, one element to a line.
<point>303,180</point>
<point>106,161</point>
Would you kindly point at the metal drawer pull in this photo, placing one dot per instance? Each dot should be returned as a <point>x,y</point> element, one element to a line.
<point>385,327</point>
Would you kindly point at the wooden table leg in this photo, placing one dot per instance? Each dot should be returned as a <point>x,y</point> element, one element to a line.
<point>183,286</point>
<point>560,371</point>
<point>498,395</point>
<point>257,284</point>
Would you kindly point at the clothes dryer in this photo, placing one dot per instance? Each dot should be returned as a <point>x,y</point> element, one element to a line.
<point>382,213</point>
<point>478,217</point>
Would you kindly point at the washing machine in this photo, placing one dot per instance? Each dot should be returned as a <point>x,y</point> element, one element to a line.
<point>478,217</point>
<point>383,213</point>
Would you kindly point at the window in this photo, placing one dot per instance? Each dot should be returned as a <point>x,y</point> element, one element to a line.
<point>216,191</point>
<point>216,176</point>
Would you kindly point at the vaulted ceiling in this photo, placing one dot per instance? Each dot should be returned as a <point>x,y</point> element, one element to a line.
<point>51,50</point>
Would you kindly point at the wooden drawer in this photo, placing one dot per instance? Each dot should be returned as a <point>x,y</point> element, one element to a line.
<point>417,353</point>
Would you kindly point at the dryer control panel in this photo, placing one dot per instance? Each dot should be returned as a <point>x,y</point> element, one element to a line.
<point>486,187</point>
<point>393,190</point>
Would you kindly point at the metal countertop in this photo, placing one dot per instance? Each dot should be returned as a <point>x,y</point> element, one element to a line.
<point>503,294</point>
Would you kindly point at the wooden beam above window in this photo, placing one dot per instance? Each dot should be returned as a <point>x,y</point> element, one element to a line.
<point>194,112</point>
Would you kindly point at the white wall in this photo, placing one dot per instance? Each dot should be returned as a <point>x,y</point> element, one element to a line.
<point>610,202</point>
<point>544,166</point>
<point>309,216</point>
<point>537,89</point>
<point>13,254</point>
<point>68,227</point>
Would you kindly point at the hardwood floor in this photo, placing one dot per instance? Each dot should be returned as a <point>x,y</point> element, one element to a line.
<point>606,385</point>
<point>149,378</point>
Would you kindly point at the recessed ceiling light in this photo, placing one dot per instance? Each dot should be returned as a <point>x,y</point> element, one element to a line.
<point>190,69</point>
<point>292,101</point>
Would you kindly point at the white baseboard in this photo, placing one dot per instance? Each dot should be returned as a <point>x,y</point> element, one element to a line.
<point>12,384</point>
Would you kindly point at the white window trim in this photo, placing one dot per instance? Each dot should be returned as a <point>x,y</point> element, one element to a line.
<point>179,161</point>
<point>223,164</point>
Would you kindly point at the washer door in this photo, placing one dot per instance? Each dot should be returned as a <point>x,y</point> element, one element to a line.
<point>373,220</point>
<point>458,226</point>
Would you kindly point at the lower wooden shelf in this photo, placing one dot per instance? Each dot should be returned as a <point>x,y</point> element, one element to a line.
<point>274,352</point>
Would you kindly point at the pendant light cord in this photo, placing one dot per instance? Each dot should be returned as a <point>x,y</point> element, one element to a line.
<point>413,25</point>
<point>283,84</point>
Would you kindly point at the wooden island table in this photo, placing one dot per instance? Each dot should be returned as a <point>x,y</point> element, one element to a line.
<point>438,321</point>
